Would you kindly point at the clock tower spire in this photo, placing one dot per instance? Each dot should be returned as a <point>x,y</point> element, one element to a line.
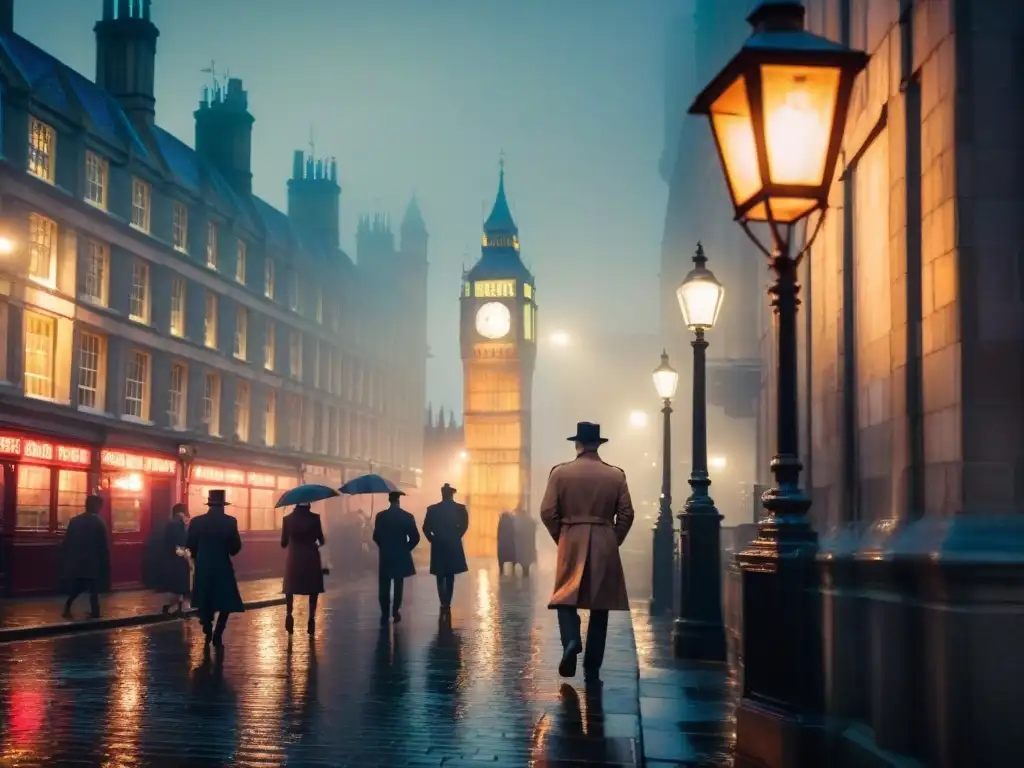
<point>498,332</point>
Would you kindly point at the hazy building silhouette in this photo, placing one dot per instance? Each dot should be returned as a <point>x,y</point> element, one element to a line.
<point>165,325</point>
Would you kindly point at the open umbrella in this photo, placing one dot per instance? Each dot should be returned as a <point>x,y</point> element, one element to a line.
<point>369,484</point>
<point>305,494</point>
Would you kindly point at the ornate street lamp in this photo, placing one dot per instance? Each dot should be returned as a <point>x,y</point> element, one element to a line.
<point>777,111</point>
<point>699,632</point>
<point>666,379</point>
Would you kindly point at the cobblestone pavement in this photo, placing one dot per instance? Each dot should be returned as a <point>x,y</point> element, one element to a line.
<point>21,613</point>
<point>687,709</point>
<point>415,694</point>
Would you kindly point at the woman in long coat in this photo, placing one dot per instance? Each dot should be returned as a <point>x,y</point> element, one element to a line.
<point>302,535</point>
<point>175,572</point>
<point>506,541</point>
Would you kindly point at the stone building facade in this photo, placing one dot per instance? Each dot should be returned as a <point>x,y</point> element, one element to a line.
<point>152,304</point>
<point>914,409</point>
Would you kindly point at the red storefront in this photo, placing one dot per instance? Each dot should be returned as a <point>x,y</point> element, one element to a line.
<point>252,495</point>
<point>45,483</point>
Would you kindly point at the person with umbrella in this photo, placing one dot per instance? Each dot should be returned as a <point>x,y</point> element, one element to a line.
<point>444,526</point>
<point>395,534</point>
<point>213,540</point>
<point>302,536</point>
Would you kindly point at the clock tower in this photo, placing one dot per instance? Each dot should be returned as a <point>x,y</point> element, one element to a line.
<point>498,331</point>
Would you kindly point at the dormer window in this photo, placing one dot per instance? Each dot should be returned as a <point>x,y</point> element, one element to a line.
<point>42,150</point>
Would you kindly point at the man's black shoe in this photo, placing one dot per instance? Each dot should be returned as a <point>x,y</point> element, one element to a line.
<point>567,667</point>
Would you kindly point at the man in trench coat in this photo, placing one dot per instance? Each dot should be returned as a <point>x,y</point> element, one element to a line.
<point>588,512</point>
<point>213,540</point>
<point>444,526</point>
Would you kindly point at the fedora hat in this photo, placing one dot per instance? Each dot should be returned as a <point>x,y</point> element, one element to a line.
<point>217,498</point>
<point>588,433</point>
<point>447,488</point>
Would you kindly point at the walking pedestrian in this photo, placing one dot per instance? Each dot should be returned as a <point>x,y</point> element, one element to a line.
<point>85,557</point>
<point>213,540</point>
<point>444,526</point>
<point>302,535</point>
<point>588,512</point>
<point>506,542</point>
<point>395,534</point>
<point>526,540</point>
<point>174,569</point>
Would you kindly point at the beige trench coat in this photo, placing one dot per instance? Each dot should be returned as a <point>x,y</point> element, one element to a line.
<point>588,512</point>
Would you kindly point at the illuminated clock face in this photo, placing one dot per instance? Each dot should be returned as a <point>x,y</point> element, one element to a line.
<point>493,320</point>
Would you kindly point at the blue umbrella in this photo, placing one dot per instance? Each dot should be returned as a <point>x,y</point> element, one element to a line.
<point>368,484</point>
<point>305,494</point>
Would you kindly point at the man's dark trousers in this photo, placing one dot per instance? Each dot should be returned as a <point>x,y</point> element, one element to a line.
<point>445,589</point>
<point>85,585</point>
<point>597,634</point>
<point>384,593</point>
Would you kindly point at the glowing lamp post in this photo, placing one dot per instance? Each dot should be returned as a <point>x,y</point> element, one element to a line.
<point>699,632</point>
<point>777,112</point>
<point>666,379</point>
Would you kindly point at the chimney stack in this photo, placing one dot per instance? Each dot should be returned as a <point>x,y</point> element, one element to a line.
<point>125,55</point>
<point>6,17</point>
<point>314,198</point>
<point>224,134</point>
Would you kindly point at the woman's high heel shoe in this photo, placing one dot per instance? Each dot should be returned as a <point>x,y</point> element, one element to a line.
<point>289,624</point>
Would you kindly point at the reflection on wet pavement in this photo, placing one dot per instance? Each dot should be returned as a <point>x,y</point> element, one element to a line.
<point>416,694</point>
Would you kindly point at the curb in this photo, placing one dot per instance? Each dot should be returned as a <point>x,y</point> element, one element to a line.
<point>92,625</point>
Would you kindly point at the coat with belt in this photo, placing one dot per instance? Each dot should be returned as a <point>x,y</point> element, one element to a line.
<point>85,552</point>
<point>213,540</point>
<point>444,526</point>
<point>588,512</point>
<point>396,536</point>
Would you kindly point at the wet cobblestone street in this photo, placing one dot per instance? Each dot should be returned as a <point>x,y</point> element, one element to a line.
<point>355,695</point>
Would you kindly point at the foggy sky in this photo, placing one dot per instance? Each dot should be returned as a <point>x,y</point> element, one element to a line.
<point>423,95</point>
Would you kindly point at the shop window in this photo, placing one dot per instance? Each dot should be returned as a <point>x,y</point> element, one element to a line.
<point>197,495</point>
<point>238,498</point>
<point>126,505</point>
<point>32,509</point>
<point>261,509</point>
<point>72,490</point>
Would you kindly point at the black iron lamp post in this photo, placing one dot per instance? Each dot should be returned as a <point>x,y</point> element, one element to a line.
<point>666,379</point>
<point>699,633</point>
<point>777,111</point>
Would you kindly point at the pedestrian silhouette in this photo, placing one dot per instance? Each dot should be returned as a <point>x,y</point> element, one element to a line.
<point>506,542</point>
<point>395,534</point>
<point>172,569</point>
<point>302,535</point>
<point>444,526</point>
<point>526,540</point>
<point>213,540</point>
<point>85,557</point>
<point>588,512</point>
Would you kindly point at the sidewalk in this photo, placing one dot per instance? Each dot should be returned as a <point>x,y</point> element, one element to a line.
<point>686,708</point>
<point>26,618</point>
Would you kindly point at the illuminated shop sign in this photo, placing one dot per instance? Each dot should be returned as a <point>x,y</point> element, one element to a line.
<point>204,473</point>
<point>40,450</point>
<point>137,462</point>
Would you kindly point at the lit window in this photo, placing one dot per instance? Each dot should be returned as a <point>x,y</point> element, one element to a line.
<point>177,411</point>
<point>211,404</point>
<point>240,255</point>
<point>136,390</point>
<point>295,356</point>
<point>261,509</point>
<point>241,333</point>
<point>180,227</point>
<point>269,345</point>
<point>140,205</point>
<point>494,289</point>
<point>32,511</point>
<point>125,510</point>
<point>138,305</point>
<point>527,291</point>
<point>268,277</point>
<point>528,322</point>
<point>319,305</point>
<point>40,332</point>
<point>72,489</point>
<point>210,329</point>
<point>97,263</point>
<point>270,418</point>
<point>42,146</point>
<point>242,411</point>
<point>293,291</point>
<point>295,422</point>
<point>178,307</point>
<point>92,366</point>
<point>97,171</point>
<point>211,245</point>
<point>42,247</point>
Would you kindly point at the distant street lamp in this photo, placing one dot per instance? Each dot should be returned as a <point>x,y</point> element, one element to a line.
<point>666,379</point>
<point>699,632</point>
<point>7,246</point>
<point>560,339</point>
<point>777,112</point>
<point>637,419</point>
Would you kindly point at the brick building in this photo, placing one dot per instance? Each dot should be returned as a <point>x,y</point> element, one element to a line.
<point>168,331</point>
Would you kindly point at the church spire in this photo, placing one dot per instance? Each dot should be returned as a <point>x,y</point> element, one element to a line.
<point>500,228</point>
